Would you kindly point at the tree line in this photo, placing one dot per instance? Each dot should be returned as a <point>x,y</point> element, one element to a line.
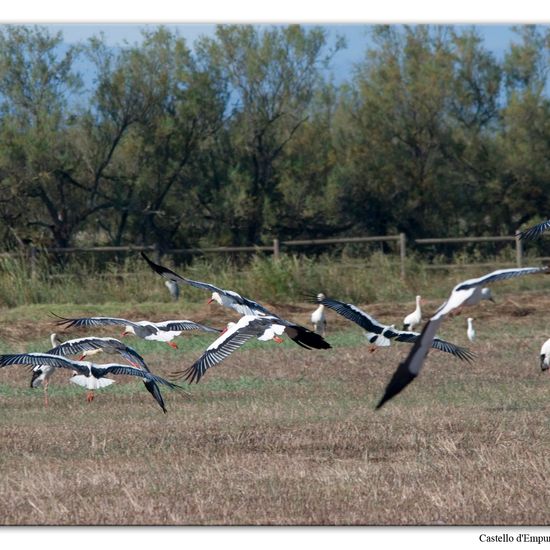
<point>244,136</point>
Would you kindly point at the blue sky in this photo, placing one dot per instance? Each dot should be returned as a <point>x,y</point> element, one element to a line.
<point>497,37</point>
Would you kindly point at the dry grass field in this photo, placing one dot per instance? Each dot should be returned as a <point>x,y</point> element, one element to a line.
<point>277,435</point>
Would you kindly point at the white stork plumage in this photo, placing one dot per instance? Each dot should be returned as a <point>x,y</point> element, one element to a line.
<point>164,331</point>
<point>262,327</point>
<point>409,369</point>
<point>92,345</point>
<point>91,376</point>
<point>318,318</point>
<point>41,374</point>
<point>414,318</point>
<point>381,335</point>
<point>484,294</point>
<point>470,331</point>
<point>228,298</point>
<point>545,356</point>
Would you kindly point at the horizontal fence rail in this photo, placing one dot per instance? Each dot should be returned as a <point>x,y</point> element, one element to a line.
<point>275,248</point>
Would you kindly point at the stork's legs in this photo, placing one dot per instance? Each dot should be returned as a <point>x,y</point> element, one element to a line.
<point>372,349</point>
<point>45,393</point>
<point>172,345</point>
<point>90,396</point>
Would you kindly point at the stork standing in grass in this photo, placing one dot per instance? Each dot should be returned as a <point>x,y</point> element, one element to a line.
<point>471,332</point>
<point>414,318</point>
<point>318,318</point>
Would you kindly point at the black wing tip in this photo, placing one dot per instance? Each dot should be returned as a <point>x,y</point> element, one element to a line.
<point>310,340</point>
<point>401,378</point>
<point>313,297</point>
<point>63,321</point>
<point>190,375</point>
<point>382,401</point>
<point>152,265</point>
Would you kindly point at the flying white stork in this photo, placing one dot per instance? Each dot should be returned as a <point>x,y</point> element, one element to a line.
<point>92,376</point>
<point>164,331</point>
<point>381,335</point>
<point>92,345</point>
<point>409,369</point>
<point>535,231</point>
<point>262,327</point>
<point>228,298</point>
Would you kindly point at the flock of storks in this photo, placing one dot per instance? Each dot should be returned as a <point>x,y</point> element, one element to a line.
<point>256,322</point>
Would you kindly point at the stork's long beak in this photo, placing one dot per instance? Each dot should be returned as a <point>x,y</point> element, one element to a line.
<point>125,333</point>
<point>210,301</point>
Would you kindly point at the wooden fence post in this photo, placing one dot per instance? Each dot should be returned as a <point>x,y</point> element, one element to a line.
<point>402,252</point>
<point>519,251</point>
<point>276,249</point>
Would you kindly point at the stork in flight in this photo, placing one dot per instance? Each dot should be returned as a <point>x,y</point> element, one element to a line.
<point>228,298</point>
<point>470,289</point>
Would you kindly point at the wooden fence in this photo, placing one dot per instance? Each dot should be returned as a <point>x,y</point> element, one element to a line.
<point>277,245</point>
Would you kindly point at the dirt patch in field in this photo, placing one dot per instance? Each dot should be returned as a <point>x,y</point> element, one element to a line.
<point>509,307</point>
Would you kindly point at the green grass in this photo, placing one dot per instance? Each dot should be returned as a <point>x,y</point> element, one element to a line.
<point>374,278</point>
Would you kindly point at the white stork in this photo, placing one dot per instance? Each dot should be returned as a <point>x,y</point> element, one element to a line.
<point>409,369</point>
<point>164,331</point>
<point>228,298</point>
<point>471,331</point>
<point>414,318</point>
<point>381,335</point>
<point>92,345</point>
<point>318,318</point>
<point>41,374</point>
<point>89,375</point>
<point>545,356</point>
<point>262,327</point>
<point>535,231</point>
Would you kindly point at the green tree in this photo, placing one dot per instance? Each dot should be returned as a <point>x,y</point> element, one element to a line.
<point>412,130</point>
<point>37,86</point>
<point>272,74</point>
<point>523,196</point>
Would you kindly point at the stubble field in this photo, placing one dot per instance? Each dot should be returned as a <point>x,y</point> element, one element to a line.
<point>277,435</point>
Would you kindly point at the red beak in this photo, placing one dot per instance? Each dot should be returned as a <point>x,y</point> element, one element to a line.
<point>125,333</point>
<point>210,301</point>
